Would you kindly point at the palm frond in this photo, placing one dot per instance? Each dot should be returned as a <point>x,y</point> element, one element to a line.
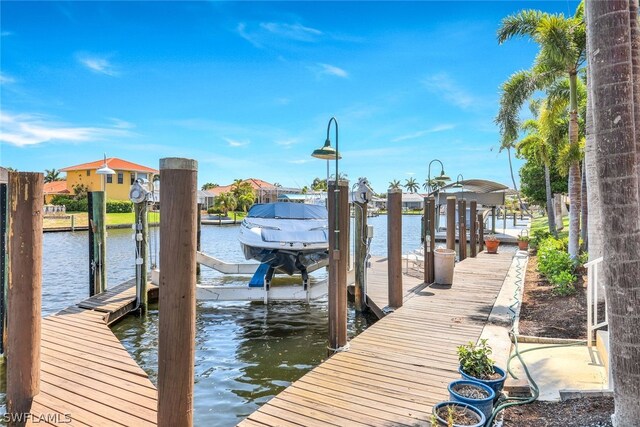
<point>515,92</point>
<point>523,23</point>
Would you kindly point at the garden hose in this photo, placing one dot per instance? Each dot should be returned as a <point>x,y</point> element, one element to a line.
<point>514,401</point>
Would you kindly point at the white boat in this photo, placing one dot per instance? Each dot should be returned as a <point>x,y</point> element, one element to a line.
<point>288,237</point>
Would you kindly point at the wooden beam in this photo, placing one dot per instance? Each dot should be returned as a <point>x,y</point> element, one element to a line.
<point>394,246</point>
<point>451,223</point>
<point>338,259</point>
<point>142,229</point>
<point>176,347</point>
<point>430,238</point>
<point>481,231</point>
<point>360,237</point>
<point>25,290</point>
<point>462,229</point>
<point>473,231</point>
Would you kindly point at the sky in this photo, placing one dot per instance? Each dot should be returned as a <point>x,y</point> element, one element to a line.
<point>248,88</point>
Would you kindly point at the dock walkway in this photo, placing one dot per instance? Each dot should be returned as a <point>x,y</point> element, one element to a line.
<point>87,377</point>
<point>398,368</point>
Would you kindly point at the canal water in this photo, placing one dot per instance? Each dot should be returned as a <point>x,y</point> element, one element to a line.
<point>245,352</point>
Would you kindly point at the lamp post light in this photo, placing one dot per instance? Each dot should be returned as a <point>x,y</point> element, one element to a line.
<point>104,171</point>
<point>327,152</point>
<point>442,178</point>
<point>460,184</point>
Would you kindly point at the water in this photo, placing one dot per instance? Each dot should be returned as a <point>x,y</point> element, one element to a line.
<point>245,352</point>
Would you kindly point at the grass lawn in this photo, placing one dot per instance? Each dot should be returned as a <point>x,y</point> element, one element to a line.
<point>542,223</point>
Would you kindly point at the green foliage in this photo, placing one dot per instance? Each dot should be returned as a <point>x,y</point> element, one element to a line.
<point>411,185</point>
<point>563,283</point>
<point>71,204</point>
<point>533,186</point>
<point>80,191</point>
<point>537,237</point>
<point>556,265</point>
<point>475,361</point>
<point>119,206</point>
<point>394,185</point>
<point>209,185</point>
<point>214,210</point>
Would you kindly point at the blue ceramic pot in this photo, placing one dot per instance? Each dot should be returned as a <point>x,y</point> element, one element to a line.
<point>485,405</point>
<point>496,384</point>
<point>473,412</point>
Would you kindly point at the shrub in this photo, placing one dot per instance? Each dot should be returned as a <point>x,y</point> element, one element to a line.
<point>553,258</point>
<point>563,283</point>
<point>214,210</point>
<point>119,206</point>
<point>538,236</point>
<point>71,204</point>
<point>475,361</point>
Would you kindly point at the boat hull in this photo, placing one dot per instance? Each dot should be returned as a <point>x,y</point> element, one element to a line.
<point>283,260</point>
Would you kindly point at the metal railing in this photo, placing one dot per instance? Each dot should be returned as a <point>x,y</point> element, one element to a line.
<point>593,302</point>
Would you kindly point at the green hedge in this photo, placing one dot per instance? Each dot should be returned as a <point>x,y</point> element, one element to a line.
<point>82,205</point>
<point>556,265</point>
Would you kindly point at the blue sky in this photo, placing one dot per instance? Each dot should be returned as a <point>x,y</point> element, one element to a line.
<point>247,88</point>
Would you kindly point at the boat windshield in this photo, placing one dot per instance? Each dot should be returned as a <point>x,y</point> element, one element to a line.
<point>288,211</point>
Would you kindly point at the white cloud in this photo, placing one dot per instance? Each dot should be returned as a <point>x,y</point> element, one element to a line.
<point>292,31</point>
<point>29,129</point>
<point>236,143</point>
<point>287,142</point>
<point>332,70</point>
<point>6,79</point>
<point>444,86</point>
<point>438,128</point>
<point>122,124</point>
<point>300,161</point>
<point>98,64</point>
<point>241,29</point>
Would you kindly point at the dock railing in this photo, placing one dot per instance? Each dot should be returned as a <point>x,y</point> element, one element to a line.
<point>593,301</point>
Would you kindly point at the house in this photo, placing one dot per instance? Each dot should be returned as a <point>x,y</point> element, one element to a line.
<point>264,191</point>
<point>117,186</point>
<point>55,188</point>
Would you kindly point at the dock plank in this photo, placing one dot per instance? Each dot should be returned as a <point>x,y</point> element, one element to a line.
<point>399,367</point>
<point>86,373</point>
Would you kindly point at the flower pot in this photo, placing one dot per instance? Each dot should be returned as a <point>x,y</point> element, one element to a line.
<point>522,245</point>
<point>485,404</point>
<point>496,384</point>
<point>470,411</point>
<point>492,246</point>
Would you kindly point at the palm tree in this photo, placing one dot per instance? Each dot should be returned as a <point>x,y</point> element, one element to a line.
<point>319,184</point>
<point>51,175</point>
<point>562,43</point>
<point>411,185</point>
<point>394,184</point>
<point>225,202</point>
<point>431,185</point>
<point>209,185</point>
<point>612,37</point>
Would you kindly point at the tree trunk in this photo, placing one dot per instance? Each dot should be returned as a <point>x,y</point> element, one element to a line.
<point>584,211</point>
<point>551,211</point>
<point>614,131</point>
<point>635,64</point>
<point>575,181</point>
<point>515,187</point>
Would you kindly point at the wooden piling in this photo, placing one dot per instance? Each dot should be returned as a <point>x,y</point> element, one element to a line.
<point>142,229</point>
<point>97,242</point>
<point>24,297</point>
<point>430,238</point>
<point>198,235</point>
<point>337,282</point>
<point>481,231</point>
<point>3,264</point>
<point>451,222</point>
<point>493,219</point>
<point>515,218</point>
<point>73,222</point>
<point>462,229</point>
<point>394,246</point>
<point>360,237</point>
<point>177,298</point>
<point>473,231</point>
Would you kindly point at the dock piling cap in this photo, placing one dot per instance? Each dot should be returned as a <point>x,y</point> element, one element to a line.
<point>178,163</point>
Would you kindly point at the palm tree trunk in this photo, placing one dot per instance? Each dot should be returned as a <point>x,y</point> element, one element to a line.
<point>584,212</point>
<point>635,64</point>
<point>515,187</point>
<point>575,182</point>
<point>617,162</point>
<point>551,211</point>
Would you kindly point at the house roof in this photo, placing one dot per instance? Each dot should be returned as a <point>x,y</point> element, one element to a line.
<point>114,163</point>
<point>255,183</point>
<point>55,187</point>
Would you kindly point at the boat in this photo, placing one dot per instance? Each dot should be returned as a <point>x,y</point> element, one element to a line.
<point>287,237</point>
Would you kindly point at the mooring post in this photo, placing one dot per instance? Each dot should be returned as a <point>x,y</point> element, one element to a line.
<point>430,239</point>
<point>177,297</point>
<point>462,229</point>
<point>142,261</point>
<point>473,231</point>
<point>360,259</point>
<point>97,242</point>
<point>493,219</point>
<point>338,198</point>
<point>514,216</point>
<point>451,222</point>
<point>394,247</point>
<point>198,235</point>
<point>73,222</point>
<point>24,290</point>
<point>481,231</point>
<point>4,214</point>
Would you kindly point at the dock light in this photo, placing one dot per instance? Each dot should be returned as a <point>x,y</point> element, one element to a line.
<point>105,170</point>
<point>327,152</point>
<point>441,179</point>
<point>459,184</point>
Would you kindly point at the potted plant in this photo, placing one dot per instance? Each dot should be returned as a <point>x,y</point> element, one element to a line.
<point>492,243</point>
<point>523,242</point>
<point>455,414</point>
<point>473,393</point>
<point>476,365</point>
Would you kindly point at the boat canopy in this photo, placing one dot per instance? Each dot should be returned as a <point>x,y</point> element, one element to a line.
<point>288,211</point>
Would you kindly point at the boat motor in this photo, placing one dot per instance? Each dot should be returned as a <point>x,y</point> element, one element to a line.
<point>138,192</point>
<point>363,193</point>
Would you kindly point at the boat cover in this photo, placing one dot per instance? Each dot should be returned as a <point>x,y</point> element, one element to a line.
<point>294,236</point>
<point>288,211</point>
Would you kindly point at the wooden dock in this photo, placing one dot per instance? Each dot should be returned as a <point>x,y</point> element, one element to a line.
<point>87,377</point>
<point>398,368</point>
